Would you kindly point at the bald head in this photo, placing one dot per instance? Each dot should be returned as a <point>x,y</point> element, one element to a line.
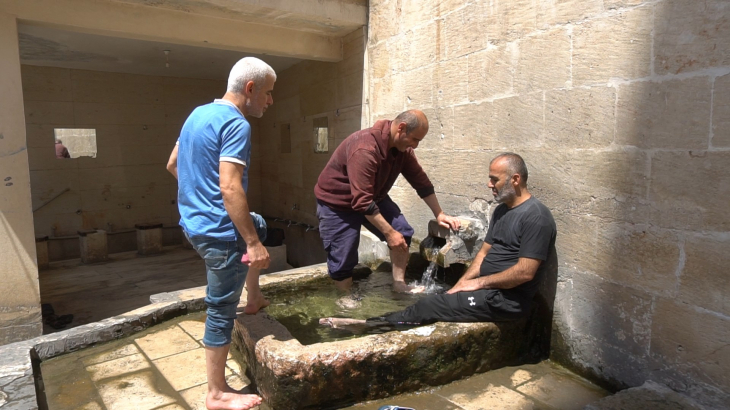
<point>408,129</point>
<point>414,120</point>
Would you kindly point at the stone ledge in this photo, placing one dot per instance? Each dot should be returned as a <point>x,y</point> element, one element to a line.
<point>17,383</point>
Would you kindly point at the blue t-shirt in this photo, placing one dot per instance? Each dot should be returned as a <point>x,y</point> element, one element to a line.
<point>212,133</point>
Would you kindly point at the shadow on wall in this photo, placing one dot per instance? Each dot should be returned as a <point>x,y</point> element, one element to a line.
<point>642,289</point>
<point>21,301</point>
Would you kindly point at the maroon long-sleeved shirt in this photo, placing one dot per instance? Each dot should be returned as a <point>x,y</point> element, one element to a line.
<point>362,170</point>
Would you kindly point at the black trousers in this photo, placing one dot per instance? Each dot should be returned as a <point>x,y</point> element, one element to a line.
<point>485,305</point>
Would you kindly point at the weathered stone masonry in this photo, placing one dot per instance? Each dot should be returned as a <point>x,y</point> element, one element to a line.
<point>622,110</point>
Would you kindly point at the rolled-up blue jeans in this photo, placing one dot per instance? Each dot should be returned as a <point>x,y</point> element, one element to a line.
<point>226,277</point>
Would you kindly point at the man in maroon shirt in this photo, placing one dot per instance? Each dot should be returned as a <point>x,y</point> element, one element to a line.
<point>352,191</point>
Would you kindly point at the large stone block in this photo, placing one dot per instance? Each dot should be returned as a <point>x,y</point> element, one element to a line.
<point>474,126</point>
<point>691,341</point>
<point>421,49</point>
<point>681,200</point>
<point>463,31</point>
<point>491,71</point>
<point>721,112</point>
<point>412,13</point>
<point>379,60</point>
<point>509,20</point>
<point>544,61</point>
<point>450,168</point>
<point>17,253</point>
<point>640,256</point>
<point>518,121</point>
<point>552,12</point>
<point>452,82</point>
<point>380,23</point>
<point>387,95</point>
<point>703,281</point>
<point>580,118</point>
<point>614,46</point>
<point>576,240</point>
<point>691,36</point>
<point>440,129</point>
<point>610,184</point>
<point>617,4</point>
<point>419,86</point>
<point>612,314</point>
<point>46,83</point>
<point>671,114</point>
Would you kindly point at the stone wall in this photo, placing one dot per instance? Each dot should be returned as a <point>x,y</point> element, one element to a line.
<point>20,303</point>
<point>284,152</point>
<point>621,109</point>
<point>137,121</point>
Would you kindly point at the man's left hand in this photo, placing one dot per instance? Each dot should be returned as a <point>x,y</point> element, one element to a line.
<point>465,286</point>
<point>448,221</point>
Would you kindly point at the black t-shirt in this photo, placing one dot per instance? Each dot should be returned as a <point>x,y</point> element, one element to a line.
<point>525,231</point>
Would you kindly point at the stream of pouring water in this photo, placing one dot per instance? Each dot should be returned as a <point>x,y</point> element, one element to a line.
<point>428,280</point>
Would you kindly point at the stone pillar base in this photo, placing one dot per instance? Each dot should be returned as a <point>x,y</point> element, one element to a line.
<point>41,250</point>
<point>93,246</point>
<point>149,239</point>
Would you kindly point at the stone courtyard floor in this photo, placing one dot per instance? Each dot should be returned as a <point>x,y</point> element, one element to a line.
<point>164,368</point>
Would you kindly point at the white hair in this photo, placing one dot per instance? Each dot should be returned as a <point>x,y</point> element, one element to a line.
<point>248,69</point>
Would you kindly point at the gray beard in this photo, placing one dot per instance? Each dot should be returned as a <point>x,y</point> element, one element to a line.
<point>506,193</point>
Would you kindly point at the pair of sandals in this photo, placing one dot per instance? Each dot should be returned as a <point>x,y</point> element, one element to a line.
<point>50,318</point>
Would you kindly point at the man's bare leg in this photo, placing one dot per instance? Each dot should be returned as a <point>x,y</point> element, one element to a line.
<point>255,300</point>
<point>336,322</point>
<point>220,395</point>
<point>399,261</point>
<point>344,285</point>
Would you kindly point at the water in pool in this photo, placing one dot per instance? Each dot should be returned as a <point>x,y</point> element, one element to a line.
<point>300,308</point>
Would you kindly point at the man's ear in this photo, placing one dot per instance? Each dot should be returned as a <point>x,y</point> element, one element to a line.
<point>402,128</point>
<point>249,88</point>
<point>516,179</point>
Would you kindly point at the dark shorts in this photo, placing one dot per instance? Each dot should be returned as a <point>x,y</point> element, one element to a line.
<point>340,233</point>
<point>485,305</point>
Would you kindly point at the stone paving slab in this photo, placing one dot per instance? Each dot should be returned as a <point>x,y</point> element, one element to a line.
<point>501,389</point>
<point>650,395</point>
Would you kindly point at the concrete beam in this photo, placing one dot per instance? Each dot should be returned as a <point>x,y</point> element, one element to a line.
<point>140,22</point>
<point>330,17</point>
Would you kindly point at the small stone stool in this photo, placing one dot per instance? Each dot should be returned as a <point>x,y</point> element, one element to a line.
<point>41,250</point>
<point>93,246</point>
<point>149,239</point>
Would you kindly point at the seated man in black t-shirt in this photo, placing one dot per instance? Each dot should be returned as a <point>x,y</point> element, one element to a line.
<point>504,276</point>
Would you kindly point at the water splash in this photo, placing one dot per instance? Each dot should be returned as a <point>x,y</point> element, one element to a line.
<point>428,280</point>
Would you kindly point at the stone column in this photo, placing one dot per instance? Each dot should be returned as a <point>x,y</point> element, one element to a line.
<point>149,239</point>
<point>20,316</point>
<point>93,246</point>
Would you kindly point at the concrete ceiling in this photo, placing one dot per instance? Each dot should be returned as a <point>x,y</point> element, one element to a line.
<point>46,46</point>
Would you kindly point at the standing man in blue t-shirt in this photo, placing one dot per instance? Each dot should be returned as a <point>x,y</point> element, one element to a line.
<point>211,162</point>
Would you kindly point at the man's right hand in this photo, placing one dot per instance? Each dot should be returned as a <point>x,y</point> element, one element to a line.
<point>258,256</point>
<point>396,241</point>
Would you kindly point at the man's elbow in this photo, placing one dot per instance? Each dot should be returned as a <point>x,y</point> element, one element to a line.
<point>171,168</point>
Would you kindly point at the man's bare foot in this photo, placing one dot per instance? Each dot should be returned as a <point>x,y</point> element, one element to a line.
<point>401,287</point>
<point>349,302</point>
<point>335,322</point>
<point>255,304</point>
<point>231,401</point>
